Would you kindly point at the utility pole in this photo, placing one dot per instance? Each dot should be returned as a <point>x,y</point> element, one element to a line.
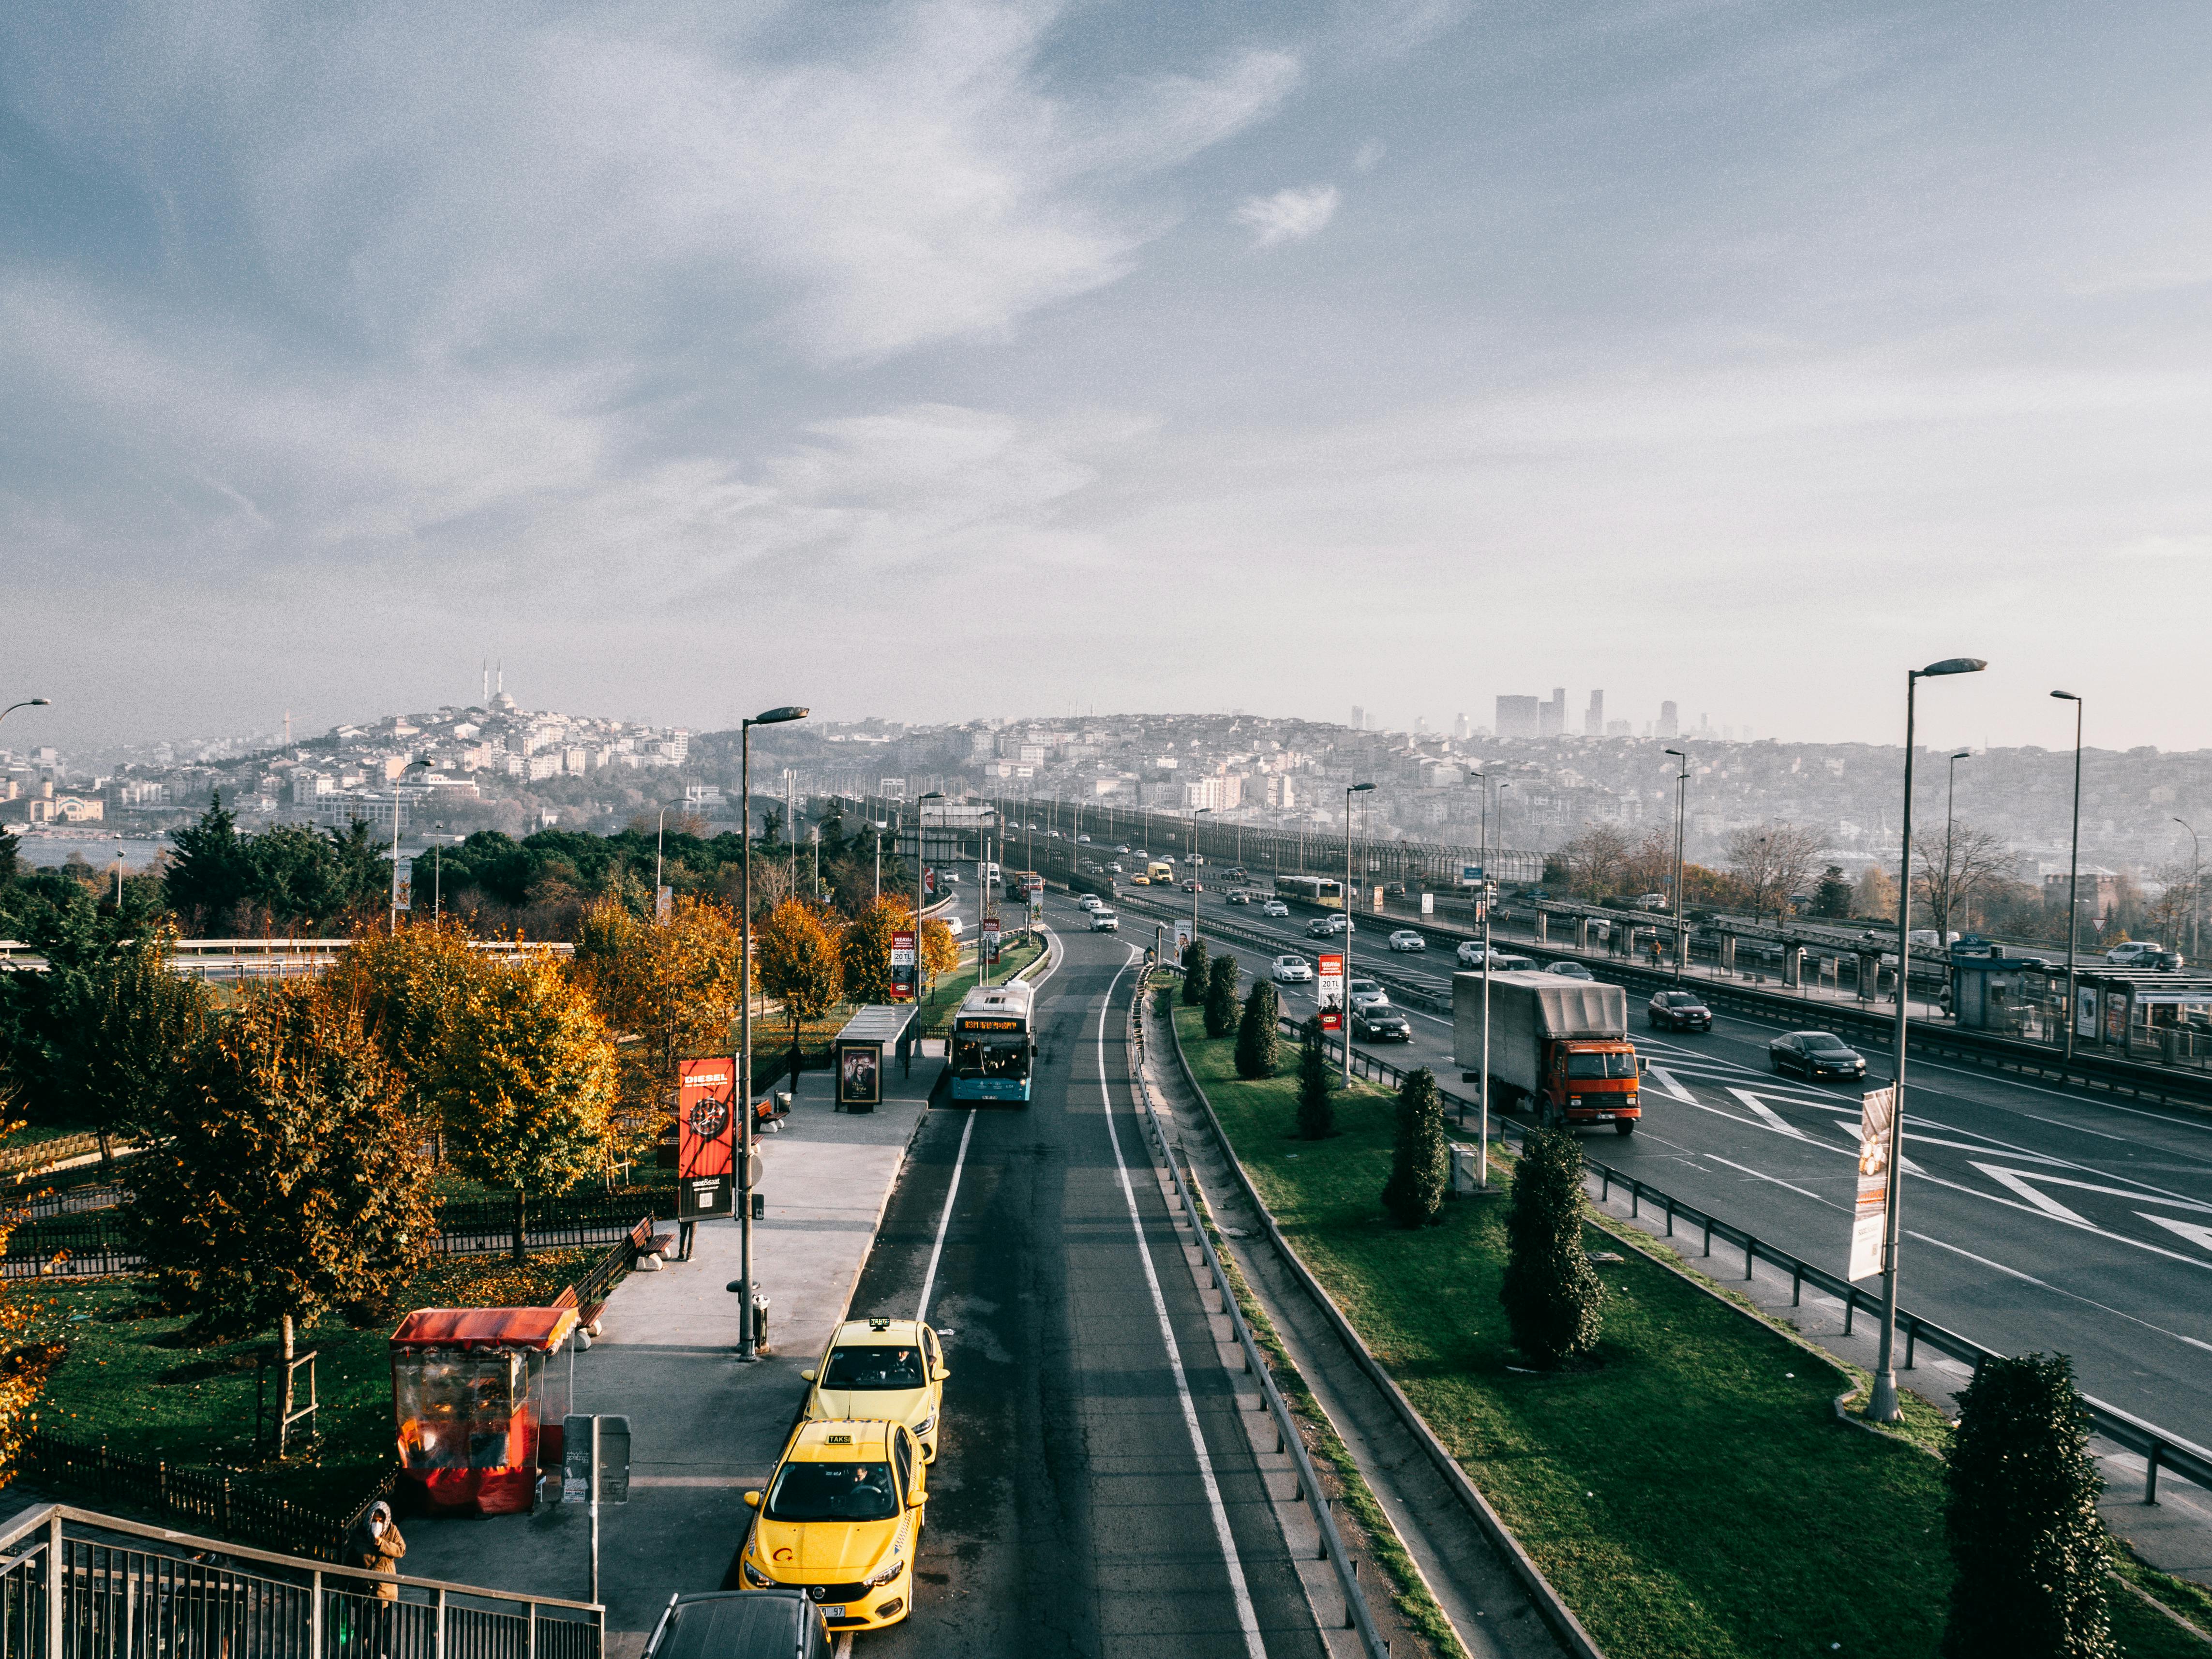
<point>2196,885</point>
<point>1681,787</point>
<point>1344,1010</point>
<point>2073,870</point>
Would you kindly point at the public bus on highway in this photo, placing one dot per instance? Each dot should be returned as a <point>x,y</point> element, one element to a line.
<point>1326,891</point>
<point>993,1044</point>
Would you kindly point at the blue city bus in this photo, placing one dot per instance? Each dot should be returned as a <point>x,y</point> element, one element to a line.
<point>993,1044</point>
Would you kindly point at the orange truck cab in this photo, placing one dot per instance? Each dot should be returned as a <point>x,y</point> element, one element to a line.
<point>1560,1045</point>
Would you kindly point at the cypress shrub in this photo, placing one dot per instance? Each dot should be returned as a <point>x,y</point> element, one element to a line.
<point>1259,1046</point>
<point>1420,1167</point>
<point>2023,1529</point>
<point>1221,995</point>
<point>1554,1300</point>
<point>1316,1113</point>
<point>1194,973</point>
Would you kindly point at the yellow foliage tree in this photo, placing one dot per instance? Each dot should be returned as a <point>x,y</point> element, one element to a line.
<point>404,987</point>
<point>940,951</point>
<point>530,1083</point>
<point>866,949</point>
<point>23,1362</point>
<point>796,957</point>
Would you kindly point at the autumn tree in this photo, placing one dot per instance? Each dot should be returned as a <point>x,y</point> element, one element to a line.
<point>1593,864</point>
<point>867,948</point>
<point>281,1178</point>
<point>940,951</point>
<point>1947,870</point>
<point>1648,867</point>
<point>798,964</point>
<point>1420,1161</point>
<point>405,986</point>
<point>1771,863</point>
<point>1876,897</point>
<point>530,1083</point>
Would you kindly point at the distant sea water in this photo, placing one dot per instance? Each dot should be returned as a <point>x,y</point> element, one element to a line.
<point>41,848</point>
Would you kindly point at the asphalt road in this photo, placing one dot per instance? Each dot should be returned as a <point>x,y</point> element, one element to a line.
<point>2035,1217</point>
<point>1069,1510</point>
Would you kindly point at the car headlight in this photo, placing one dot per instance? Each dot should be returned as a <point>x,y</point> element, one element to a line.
<point>756,1578</point>
<point>926,1423</point>
<point>888,1571</point>
<point>1574,1100</point>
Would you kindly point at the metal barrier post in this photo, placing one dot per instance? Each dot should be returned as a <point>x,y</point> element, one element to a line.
<point>315,1617</point>
<point>1709,1235</point>
<point>2150,1473</point>
<point>1911,1337</point>
<point>1750,1255</point>
<point>56,1572</point>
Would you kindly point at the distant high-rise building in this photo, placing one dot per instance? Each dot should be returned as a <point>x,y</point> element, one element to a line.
<point>1620,729</point>
<point>1518,717</point>
<point>1461,730</point>
<point>1670,723</point>
<point>1421,726</point>
<point>1594,716</point>
<point>1358,718</point>
<point>1551,717</point>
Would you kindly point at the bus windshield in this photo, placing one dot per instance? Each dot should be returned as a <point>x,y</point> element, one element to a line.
<point>1002,1054</point>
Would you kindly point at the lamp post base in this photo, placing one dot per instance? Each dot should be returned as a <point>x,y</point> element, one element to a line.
<point>1881,1406</point>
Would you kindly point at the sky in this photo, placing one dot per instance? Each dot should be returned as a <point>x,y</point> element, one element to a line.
<point>948,360</point>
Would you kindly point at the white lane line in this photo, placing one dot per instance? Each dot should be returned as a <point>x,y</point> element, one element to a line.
<point>943,1221</point>
<point>1666,1082</point>
<point>2044,1284</point>
<point>1767,1115</point>
<point>1246,1618</point>
<point>1779,1182</point>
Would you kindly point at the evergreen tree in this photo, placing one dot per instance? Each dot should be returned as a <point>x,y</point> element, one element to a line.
<point>1259,1045</point>
<point>1420,1167</point>
<point>1317,1112</point>
<point>2024,1534</point>
<point>211,870</point>
<point>1221,995</point>
<point>1194,973</point>
<point>1554,1299</point>
<point>1835,893</point>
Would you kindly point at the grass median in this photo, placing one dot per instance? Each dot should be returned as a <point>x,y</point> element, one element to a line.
<point>1693,1493</point>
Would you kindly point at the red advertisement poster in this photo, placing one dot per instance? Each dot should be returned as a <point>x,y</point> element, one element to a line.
<point>903,967</point>
<point>706,1118</point>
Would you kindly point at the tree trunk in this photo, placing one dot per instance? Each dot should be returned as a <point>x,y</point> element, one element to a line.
<point>521,1226</point>
<point>287,1341</point>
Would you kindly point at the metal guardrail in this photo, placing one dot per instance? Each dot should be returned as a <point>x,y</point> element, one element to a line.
<point>1357,1615</point>
<point>2160,1448</point>
<point>76,1584</point>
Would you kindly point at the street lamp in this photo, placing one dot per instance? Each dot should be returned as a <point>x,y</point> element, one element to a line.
<point>2073,870</point>
<point>1344,1008</point>
<point>921,854</point>
<point>1194,811</point>
<point>412,765</point>
<point>438,874</point>
<point>2196,884</point>
<point>1681,792</point>
<point>28,702</point>
<point>1883,1408</point>
<point>1490,787</point>
<point>746,1351</point>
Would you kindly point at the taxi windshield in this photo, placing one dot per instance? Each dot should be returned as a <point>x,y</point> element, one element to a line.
<point>873,1368</point>
<point>1600,1065</point>
<point>832,1492</point>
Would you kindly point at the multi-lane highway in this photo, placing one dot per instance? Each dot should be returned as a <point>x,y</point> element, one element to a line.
<point>2035,1217</point>
<point>1096,1492</point>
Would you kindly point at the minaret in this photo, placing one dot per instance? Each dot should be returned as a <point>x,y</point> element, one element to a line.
<point>486,685</point>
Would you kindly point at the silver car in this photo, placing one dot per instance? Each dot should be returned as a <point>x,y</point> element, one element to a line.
<point>1406,939</point>
<point>1292,970</point>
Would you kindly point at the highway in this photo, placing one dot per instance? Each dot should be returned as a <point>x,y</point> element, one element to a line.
<point>2035,1217</point>
<point>1070,1510</point>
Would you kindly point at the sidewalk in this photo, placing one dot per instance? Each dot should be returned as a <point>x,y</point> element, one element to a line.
<point>703,1428</point>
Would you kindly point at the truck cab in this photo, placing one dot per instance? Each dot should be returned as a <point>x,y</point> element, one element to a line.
<point>1593,1083</point>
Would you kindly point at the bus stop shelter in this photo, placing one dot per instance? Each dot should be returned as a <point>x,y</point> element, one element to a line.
<point>860,1048</point>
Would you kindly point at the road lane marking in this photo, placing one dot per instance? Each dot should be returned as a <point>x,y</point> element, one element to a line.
<point>943,1221</point>
<point>2057,1289</point>
<point>2195,1233</point>
<point>1779,1182</point>
<point>1767,1115</point>
<point>1666,1082</point>
<point>1246,1618</point>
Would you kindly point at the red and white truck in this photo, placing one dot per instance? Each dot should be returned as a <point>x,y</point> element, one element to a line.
<point>1560,1044</point>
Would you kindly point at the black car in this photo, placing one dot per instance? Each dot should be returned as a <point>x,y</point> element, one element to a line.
<point>740,1625</point>
<point>1815,1055</point>
<point>1680,1011</point>
<point>1381,1026</point>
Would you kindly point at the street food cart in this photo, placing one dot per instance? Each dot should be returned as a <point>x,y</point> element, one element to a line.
<point>469,1391</point>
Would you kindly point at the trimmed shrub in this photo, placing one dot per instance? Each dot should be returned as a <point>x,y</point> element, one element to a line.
<point>1421,1166</point>
<point>1554,1300</point>
<point>1221,977</point>
<point>1259,1045</point>
<point>1193,974</point>
<point>1317,1112</point>
<point>2023,1529</point>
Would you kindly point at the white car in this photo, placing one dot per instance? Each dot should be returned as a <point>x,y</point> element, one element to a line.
<point>952,925</point>
<point>1092,901</point>
<point>1123,848</point>
<point>1366,994</point>
<point>1103,921</point>
<point>1275,907</point>
<point>1569,971</point>
<point>2130,954</point>
<point>1085,839</point>
<point>1406,939</point>
<point>1470,954</point>
<point>1292,970</point>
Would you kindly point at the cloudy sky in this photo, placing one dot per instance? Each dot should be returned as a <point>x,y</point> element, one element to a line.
<point>943,359</point>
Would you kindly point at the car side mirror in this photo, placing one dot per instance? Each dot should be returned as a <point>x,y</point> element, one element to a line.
<point>1642,1065</point>
<point>939,1373</point>
<point>752,1500</point>
<point>806,1376</point>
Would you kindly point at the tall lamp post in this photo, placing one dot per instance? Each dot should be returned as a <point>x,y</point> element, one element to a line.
<point>1681,794</point>
<point>438,875</point>
<point>1490,787</point>
<point>1343,1009</point>
<point>1882,1409</point>
<point>412,765</point>
<point>1950,799</point>
<point>921,859</point>
<point>2073,870</point>
<point>2196,884</point>
<point>1194,811</point>
<point>746,1350</point>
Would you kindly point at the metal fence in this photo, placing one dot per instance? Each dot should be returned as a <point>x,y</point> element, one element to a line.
<point>76,1584</point>
<point>2159,1449</point>
<point>1357,1615</point>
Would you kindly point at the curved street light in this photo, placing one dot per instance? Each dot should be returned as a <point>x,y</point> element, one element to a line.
<point>1343,1009</point>
<point>28,702</point>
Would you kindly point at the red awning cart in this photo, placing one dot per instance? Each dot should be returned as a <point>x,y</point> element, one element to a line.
<point>469,1392</point>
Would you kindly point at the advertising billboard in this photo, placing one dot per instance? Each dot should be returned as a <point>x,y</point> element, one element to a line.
<point>1870,1212</point>
<point>706,1133</point>
<point>904,960</point>
<point>1328,991</point>
<point>990,939</point>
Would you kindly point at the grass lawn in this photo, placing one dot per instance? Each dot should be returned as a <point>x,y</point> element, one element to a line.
<point>1692,1494</point>
<point>129,1381</point>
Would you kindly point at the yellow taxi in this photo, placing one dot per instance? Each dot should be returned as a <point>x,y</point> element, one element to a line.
<point>876,1368</point>
<point>840,1522</point>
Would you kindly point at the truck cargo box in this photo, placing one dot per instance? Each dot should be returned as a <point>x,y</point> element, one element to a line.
<point>1527,1011</point>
